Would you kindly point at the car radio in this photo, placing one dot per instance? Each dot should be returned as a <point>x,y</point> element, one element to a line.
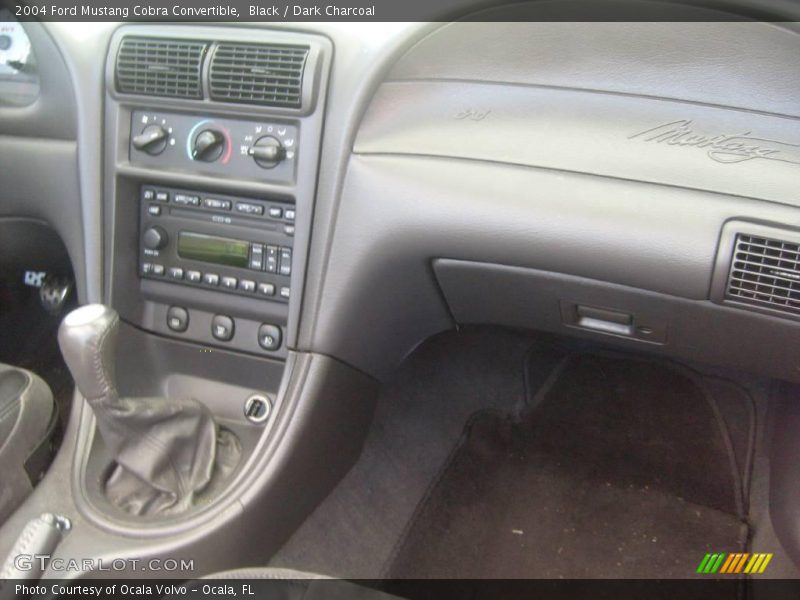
<point>214,241</point>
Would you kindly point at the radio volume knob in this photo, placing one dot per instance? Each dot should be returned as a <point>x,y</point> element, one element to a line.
<point>155,238</point>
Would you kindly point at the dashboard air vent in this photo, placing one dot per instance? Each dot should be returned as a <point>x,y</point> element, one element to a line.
<point>268,75</point>
<point>160,67</point>
<point>765,272</point>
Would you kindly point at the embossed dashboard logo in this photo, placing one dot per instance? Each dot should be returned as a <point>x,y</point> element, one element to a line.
<point>472,114</point>
<point>723,148</point>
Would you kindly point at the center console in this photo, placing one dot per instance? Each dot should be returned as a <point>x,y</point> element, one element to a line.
<point>213,139</point>
<point>212,142</point>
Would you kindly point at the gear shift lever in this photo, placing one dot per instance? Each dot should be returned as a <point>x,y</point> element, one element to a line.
<point>88,340</point>
<point>165,448</point>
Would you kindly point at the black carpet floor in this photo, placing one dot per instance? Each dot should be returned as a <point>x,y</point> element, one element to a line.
<point>619,468</point>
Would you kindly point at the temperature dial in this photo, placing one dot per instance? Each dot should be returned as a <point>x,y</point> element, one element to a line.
<point>208,145</point>
<point>267,152</point>
<point>153,139</point>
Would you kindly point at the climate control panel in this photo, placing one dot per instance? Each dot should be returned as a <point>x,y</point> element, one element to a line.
<point>262,150</point>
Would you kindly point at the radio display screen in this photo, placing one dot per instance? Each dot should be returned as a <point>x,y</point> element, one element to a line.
<point>213,249</point>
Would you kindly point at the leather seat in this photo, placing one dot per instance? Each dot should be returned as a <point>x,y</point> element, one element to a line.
<point>288,584</point>
<point>27,417</point>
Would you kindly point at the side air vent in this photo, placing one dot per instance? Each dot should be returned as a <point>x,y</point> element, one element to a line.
<point>258,74</point>
<point>160,67</point>
<point>765,272</point>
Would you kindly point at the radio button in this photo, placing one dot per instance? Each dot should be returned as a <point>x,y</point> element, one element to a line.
<point>276,212</point>
<point>148,194</point>
<point>176,273</point>
<point>212,279</point>
<point>269,337</point>
<point>154,210</point>
<point>193,276</point>
<point>286,292</point>
<point>186,200</point>
<point>216,204</point>
<point>266,289</point>
<point>158,270</point>
<point>249,208</point>
<point>177,318</point>
<point>147,268</point>
<point>288,230</point>
<point>256,257</point>
<point>222,327</point>
<point>288,214</point>
<point>162,196</point>
<point>247,285</point>
<point>272,259</point>
<point>229,283</point>
<point>286,261</point>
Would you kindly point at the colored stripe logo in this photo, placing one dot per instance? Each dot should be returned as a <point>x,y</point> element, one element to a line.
<point>731,564</point>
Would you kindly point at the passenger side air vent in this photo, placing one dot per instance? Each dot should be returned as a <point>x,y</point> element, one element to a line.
<point>765,272</point>
<point>258,74</point>
<point>160,67</point>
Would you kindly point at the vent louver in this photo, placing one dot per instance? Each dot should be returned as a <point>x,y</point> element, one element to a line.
<point>268,75</point>
<point>160,67</point>
<point>765,272</point>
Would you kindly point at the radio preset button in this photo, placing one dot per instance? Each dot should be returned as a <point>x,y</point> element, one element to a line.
<point>288,230</point>
<point>147,268</point>
<point>212,279</point>
<point>158,269</point>
<point>276,212</point>
<point>249,208</point>
<point>269,337</point>
<point>247,285</point>
<point>222,327</point>
<point>176,273</point>
<point>177,318</point>
<point>154,210</point>
<point>162,196</point>
<point>286,292</point>
<point>217,204</point>
<point>148,194</point>
<point>193,276</point>
<point>288,214</point>
<point>186,200</point>
<point>229,283</point>
<point>266,289</point>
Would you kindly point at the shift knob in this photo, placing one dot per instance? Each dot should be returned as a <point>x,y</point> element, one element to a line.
<point>88,338</point>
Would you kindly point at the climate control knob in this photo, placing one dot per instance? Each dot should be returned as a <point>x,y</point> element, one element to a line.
<point>208,145</point>
<point>155,238</point>
<point>267,151</point>
<point>152,140</point>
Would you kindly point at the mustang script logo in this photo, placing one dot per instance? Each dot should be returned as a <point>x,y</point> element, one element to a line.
<point>722,148</point>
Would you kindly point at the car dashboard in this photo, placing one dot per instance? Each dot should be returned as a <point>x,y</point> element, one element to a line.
<point>288,210</point>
